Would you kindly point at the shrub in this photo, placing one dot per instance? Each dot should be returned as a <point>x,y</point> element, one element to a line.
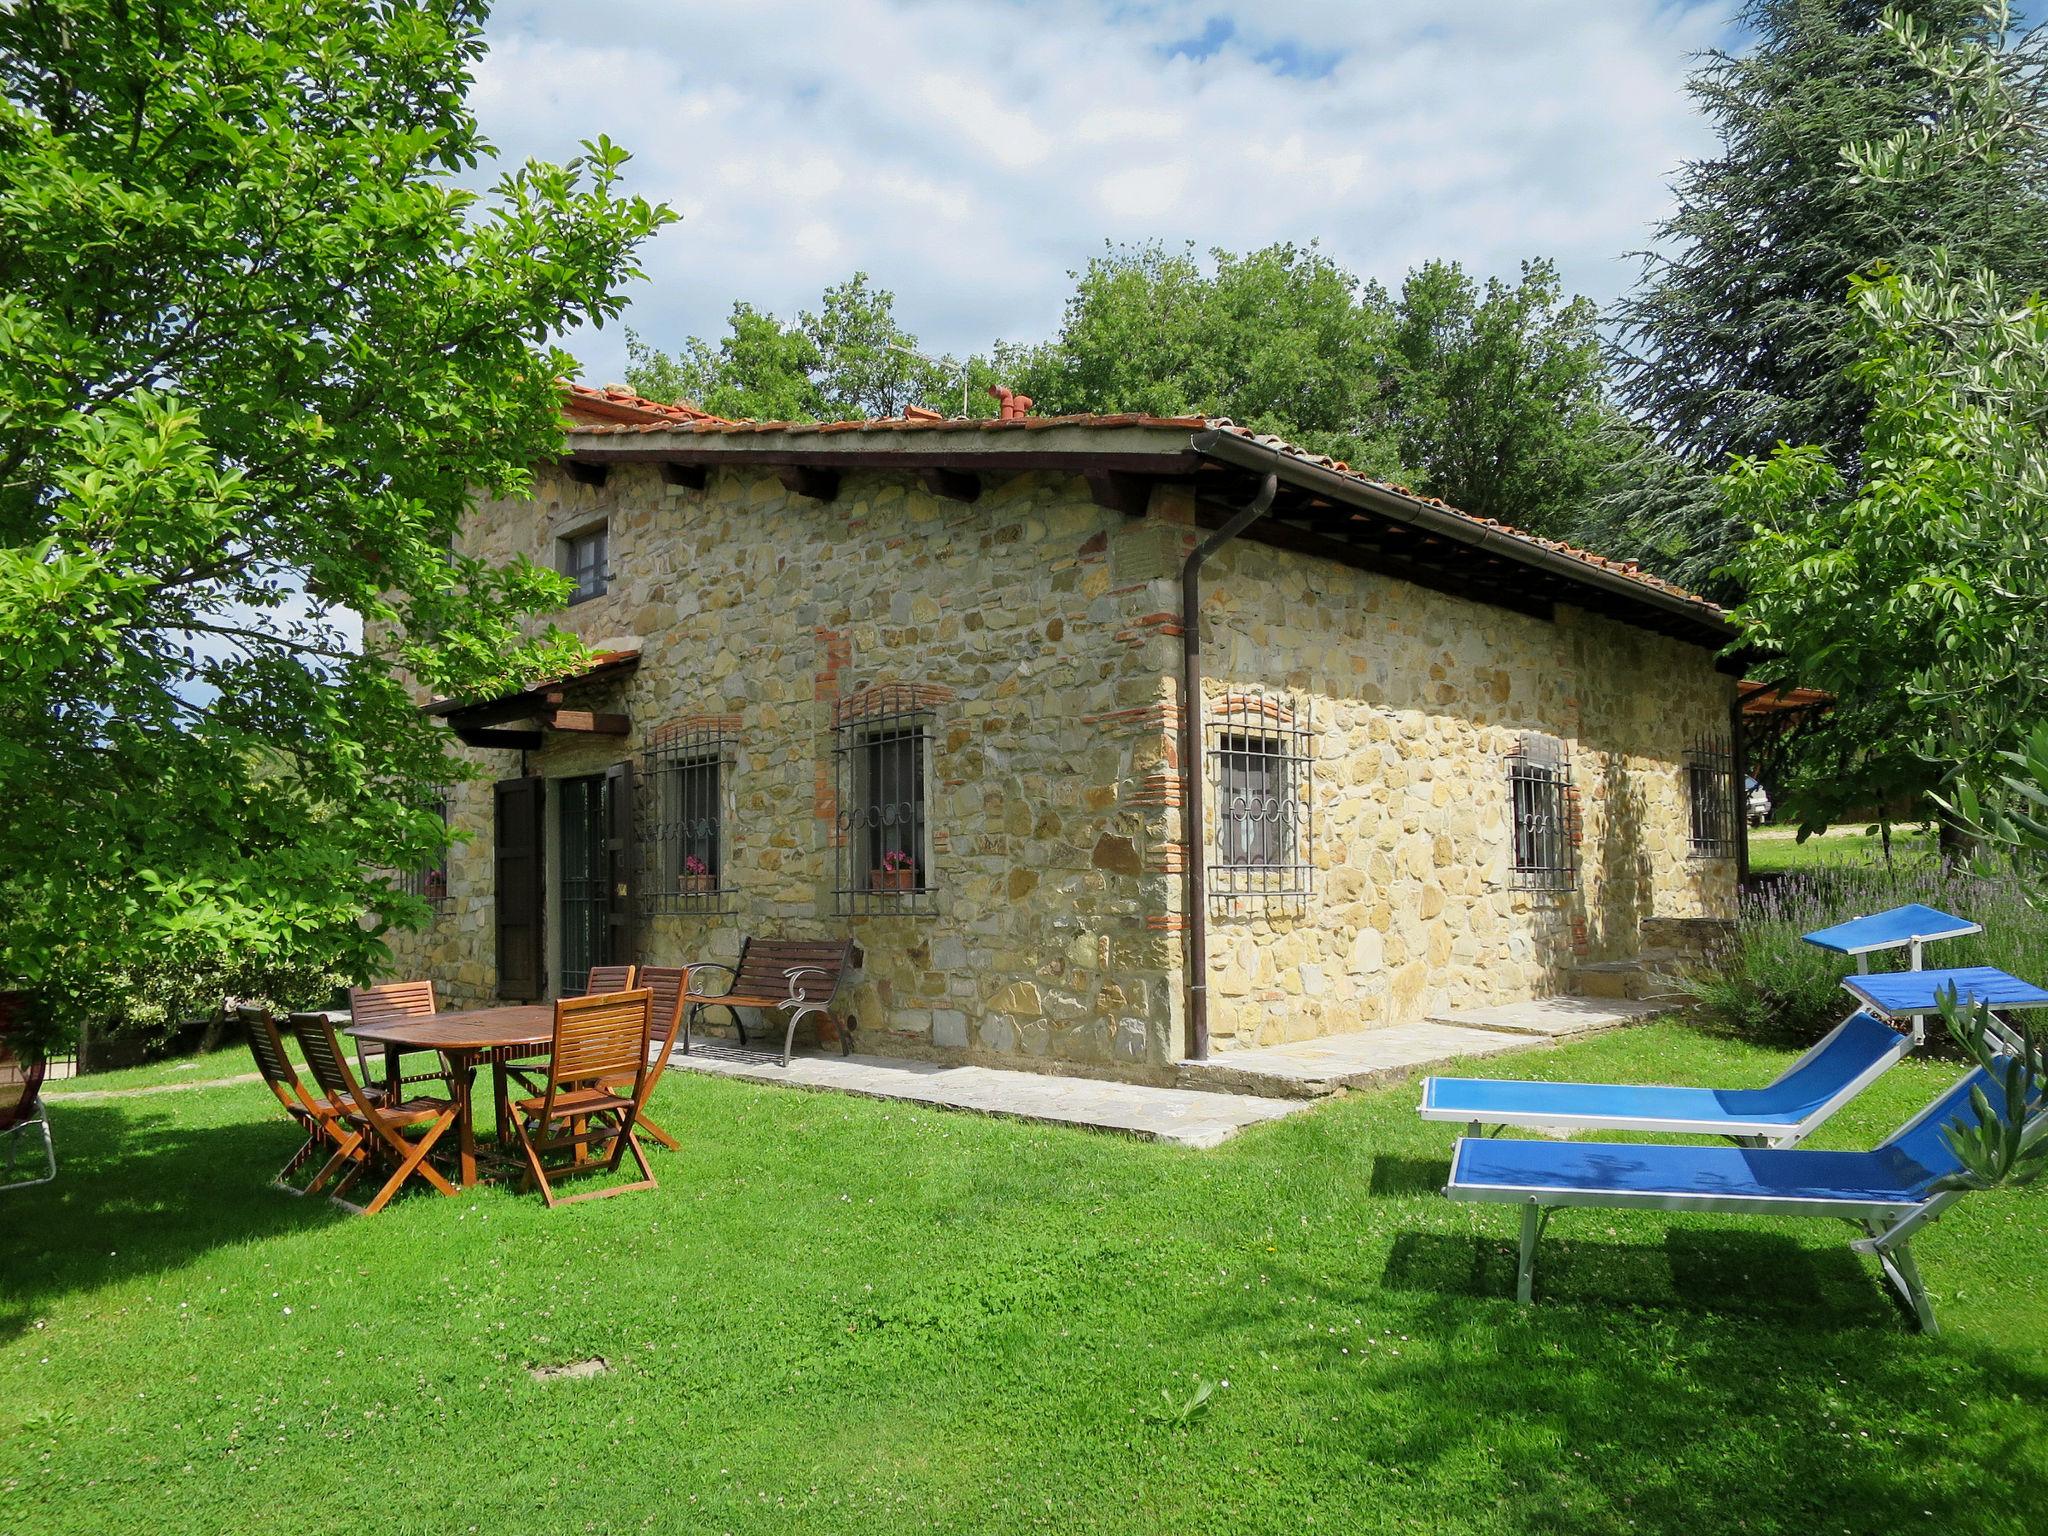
<point>1768,985</point>
<point>161,1009</point>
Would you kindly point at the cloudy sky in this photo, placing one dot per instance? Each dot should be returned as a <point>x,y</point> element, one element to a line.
<point>969,153</point>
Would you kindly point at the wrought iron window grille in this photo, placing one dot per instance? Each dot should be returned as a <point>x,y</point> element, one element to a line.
<point>1546,815</point>
<point>685,776</point>
<point>882,838</point>
<point>1260,763</point>
<point>429,882</point>
<point>1713,801</point>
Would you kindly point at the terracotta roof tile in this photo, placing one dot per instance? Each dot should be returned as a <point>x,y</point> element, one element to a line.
<point>588,405</point>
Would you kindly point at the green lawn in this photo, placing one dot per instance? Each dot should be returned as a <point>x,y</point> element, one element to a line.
<point>1778,848</point>
<point>179,1071</point>
<point>843,1315</point>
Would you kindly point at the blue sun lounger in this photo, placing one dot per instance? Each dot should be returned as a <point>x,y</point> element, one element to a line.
<point>1908,927</point>
<point>1852,1056</point>
<point>1888,1192</point>
<point>1784,1113</point>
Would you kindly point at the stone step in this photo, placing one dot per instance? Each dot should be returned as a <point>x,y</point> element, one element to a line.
<point>1365,1058</point>
<point>1628,980</point>
<point>1556,1018</point>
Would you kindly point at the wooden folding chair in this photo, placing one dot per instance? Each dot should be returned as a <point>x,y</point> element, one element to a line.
<point>404,1131</point>
<point>386,1003</point>
<point>319,1118</point>
<point>666,984</point>
<point>608,978</point>
<point>600,1047</point>
<point>23,1117</point>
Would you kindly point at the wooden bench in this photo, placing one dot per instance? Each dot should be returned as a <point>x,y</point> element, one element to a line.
<point>799,977</point>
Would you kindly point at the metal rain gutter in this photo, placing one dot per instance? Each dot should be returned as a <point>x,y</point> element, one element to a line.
<point>1191,759</point>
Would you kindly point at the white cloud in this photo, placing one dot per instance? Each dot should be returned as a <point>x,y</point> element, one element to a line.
<point>968,153</point>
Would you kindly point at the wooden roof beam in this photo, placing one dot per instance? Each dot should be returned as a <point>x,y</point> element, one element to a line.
<point>820,485</point>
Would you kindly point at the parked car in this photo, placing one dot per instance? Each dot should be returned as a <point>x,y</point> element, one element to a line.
<point>1759,803</point>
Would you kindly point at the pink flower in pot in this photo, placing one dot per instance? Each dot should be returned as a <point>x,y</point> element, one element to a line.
<point>898,872</point>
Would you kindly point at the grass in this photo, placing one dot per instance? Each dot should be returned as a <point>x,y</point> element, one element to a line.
<point>1773,850</point>
<point>843,1315</point>
<point>230,1060</point>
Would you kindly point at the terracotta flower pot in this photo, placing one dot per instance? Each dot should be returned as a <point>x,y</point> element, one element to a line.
<point>696,885</point>
<point>892,879</point>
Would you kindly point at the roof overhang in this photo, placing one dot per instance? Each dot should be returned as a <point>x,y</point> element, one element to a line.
<point>544,706</point>
<point>1322,509</point>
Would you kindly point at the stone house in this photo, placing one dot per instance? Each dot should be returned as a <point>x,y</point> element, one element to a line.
<point>922,683</point>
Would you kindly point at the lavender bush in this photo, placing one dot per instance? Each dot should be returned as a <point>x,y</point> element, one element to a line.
<point>1768,985</point>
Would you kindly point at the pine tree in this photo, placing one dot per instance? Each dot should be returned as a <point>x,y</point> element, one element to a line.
<point>1735,340</point>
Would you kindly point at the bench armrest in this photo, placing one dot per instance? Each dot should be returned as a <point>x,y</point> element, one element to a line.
<point>796,992</point>
<point>690,975</point>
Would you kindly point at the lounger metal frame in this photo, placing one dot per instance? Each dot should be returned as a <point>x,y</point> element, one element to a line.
<point>1888,1226</point>
<point>1744,1133</point>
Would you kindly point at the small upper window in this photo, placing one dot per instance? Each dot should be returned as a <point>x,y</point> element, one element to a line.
<point>585,559</point>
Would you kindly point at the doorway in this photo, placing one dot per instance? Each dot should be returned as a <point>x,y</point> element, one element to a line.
<point>583,817</point>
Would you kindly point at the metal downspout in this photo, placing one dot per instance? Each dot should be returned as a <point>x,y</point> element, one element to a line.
<point>1191,760</point>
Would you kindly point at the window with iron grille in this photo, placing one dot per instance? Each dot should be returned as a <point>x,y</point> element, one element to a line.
<point>585,558</point>
<point>685,773</point>
<point>1546,822</point>
<point>1710,787</point>
<point>882,837</point>
<point>429,882</point>
<point>1261,779</point>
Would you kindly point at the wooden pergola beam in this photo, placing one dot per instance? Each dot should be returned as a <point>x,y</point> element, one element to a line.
<point>1120,491</point>
<point>512,741</point>
<point>586,722</point>
<point>953,484</point>
<point>809,480</point>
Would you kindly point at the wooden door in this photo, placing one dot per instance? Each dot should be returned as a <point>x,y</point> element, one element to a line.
<point>518,805</point>
<point>619,852</point>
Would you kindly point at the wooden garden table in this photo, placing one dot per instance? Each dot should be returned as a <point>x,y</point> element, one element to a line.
<point>467,1039</point>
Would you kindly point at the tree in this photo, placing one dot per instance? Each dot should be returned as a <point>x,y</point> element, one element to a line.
<point>1281,340</point>
<point>1491,397</point>
<point>1497,395</point>
<point>847,361</point>
<point>258,351</point>
<point>1735,339</point>
<point>1916,593</point>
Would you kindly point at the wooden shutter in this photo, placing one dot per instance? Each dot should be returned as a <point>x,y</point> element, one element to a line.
<point>619,851</point>
<point>521,892</point>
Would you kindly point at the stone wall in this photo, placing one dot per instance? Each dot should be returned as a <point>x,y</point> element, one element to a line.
<point>1418,699</point>
<point>1044,629</point>
<point>1032,618</point>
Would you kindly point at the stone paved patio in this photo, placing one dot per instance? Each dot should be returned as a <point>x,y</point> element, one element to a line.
<point>1216,1098</point>
<point>1190,1117</point>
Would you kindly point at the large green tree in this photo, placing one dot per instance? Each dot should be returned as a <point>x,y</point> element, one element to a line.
<point>1282,340</point>
<point>1737,338</point>
<point>1490,396</point>
<point>848,360</point>
<point>1497,395</point>
<point>259,348</point>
